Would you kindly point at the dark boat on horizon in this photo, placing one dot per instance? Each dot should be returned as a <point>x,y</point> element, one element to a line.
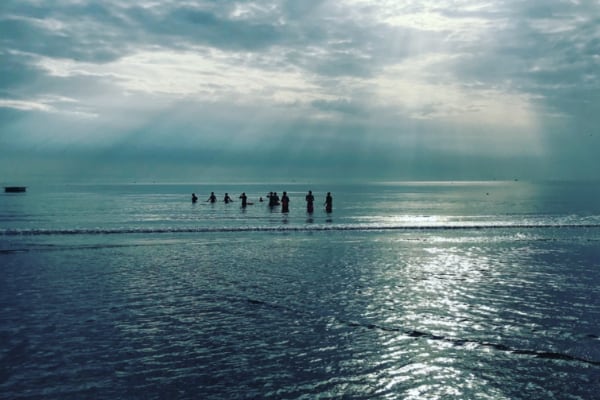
<point>15,189</point>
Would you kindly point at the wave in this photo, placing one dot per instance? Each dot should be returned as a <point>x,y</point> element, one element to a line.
<point>417,334</point>
<point>300,228</point>
<point>550,355</point>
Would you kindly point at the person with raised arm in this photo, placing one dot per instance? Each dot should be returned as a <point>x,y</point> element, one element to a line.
<point>244,199</point>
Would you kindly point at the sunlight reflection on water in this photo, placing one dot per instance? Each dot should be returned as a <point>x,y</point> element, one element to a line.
<point>474,313</point>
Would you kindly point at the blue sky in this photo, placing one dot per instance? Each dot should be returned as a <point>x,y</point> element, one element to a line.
<point>299,90</point>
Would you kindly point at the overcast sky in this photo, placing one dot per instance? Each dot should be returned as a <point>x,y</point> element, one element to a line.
<point>194,90</point>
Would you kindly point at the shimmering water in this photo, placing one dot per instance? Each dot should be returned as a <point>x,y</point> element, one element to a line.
<point>484,290</point>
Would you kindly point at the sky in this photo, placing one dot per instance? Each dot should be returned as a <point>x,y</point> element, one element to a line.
<point>199,90</point>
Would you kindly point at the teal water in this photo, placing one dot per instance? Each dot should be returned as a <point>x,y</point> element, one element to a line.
<point>407,290</point>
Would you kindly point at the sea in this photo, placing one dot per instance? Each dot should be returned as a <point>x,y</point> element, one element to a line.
<point>406,290</point>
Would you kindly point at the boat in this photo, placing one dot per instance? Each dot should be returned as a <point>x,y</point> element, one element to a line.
<point>15,189</point>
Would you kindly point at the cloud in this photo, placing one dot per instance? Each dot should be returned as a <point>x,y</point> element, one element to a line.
<point>378,87</point>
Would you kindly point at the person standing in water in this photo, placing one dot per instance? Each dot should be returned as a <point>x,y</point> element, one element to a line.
<point>244,200</point>
<point>194,198</point>
<point>285,203</point>
<point>328,203</point>
<point>309,202</point>
<point>271,197</point>
<point>227,199</point>
<point>212,198</point>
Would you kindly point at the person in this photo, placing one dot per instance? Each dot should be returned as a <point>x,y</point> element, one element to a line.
<point>194,198</point>
<point>285,203</point>
<point>328,203</point>
<point>273,199</point>
<point>244,199</point>
<point>227,199</point>
<point>212,198</point>
<point>309,202</point>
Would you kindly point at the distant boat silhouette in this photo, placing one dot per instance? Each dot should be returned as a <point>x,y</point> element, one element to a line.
<point>15,189</point>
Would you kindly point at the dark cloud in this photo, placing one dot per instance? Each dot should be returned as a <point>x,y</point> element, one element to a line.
<point>199,27</point>
<point>102,32</point>
<point>88,32</point>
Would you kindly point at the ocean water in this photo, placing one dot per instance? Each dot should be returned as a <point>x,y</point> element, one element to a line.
<point>409,290</point>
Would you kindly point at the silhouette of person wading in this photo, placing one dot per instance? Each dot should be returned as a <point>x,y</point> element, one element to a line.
<point>212,198</point>
<point>244,199</point>
<point>328,203</point>
<point>273,199</point>
<point>309,202</point>
<point>285,203</point>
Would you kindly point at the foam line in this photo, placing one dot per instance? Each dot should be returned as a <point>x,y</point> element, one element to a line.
<point>301,228</point>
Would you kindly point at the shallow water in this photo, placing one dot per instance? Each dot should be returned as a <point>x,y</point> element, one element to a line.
<point>164,208</point>
<point>478,290</point>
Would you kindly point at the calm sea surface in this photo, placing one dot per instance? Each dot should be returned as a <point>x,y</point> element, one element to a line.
<point>420,290</point>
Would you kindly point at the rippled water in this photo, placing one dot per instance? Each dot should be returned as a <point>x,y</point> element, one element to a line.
<point>449,291</point>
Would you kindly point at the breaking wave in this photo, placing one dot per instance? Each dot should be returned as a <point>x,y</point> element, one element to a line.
<point>286,228</point>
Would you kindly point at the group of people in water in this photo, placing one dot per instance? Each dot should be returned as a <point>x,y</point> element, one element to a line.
<point>274,201</point>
